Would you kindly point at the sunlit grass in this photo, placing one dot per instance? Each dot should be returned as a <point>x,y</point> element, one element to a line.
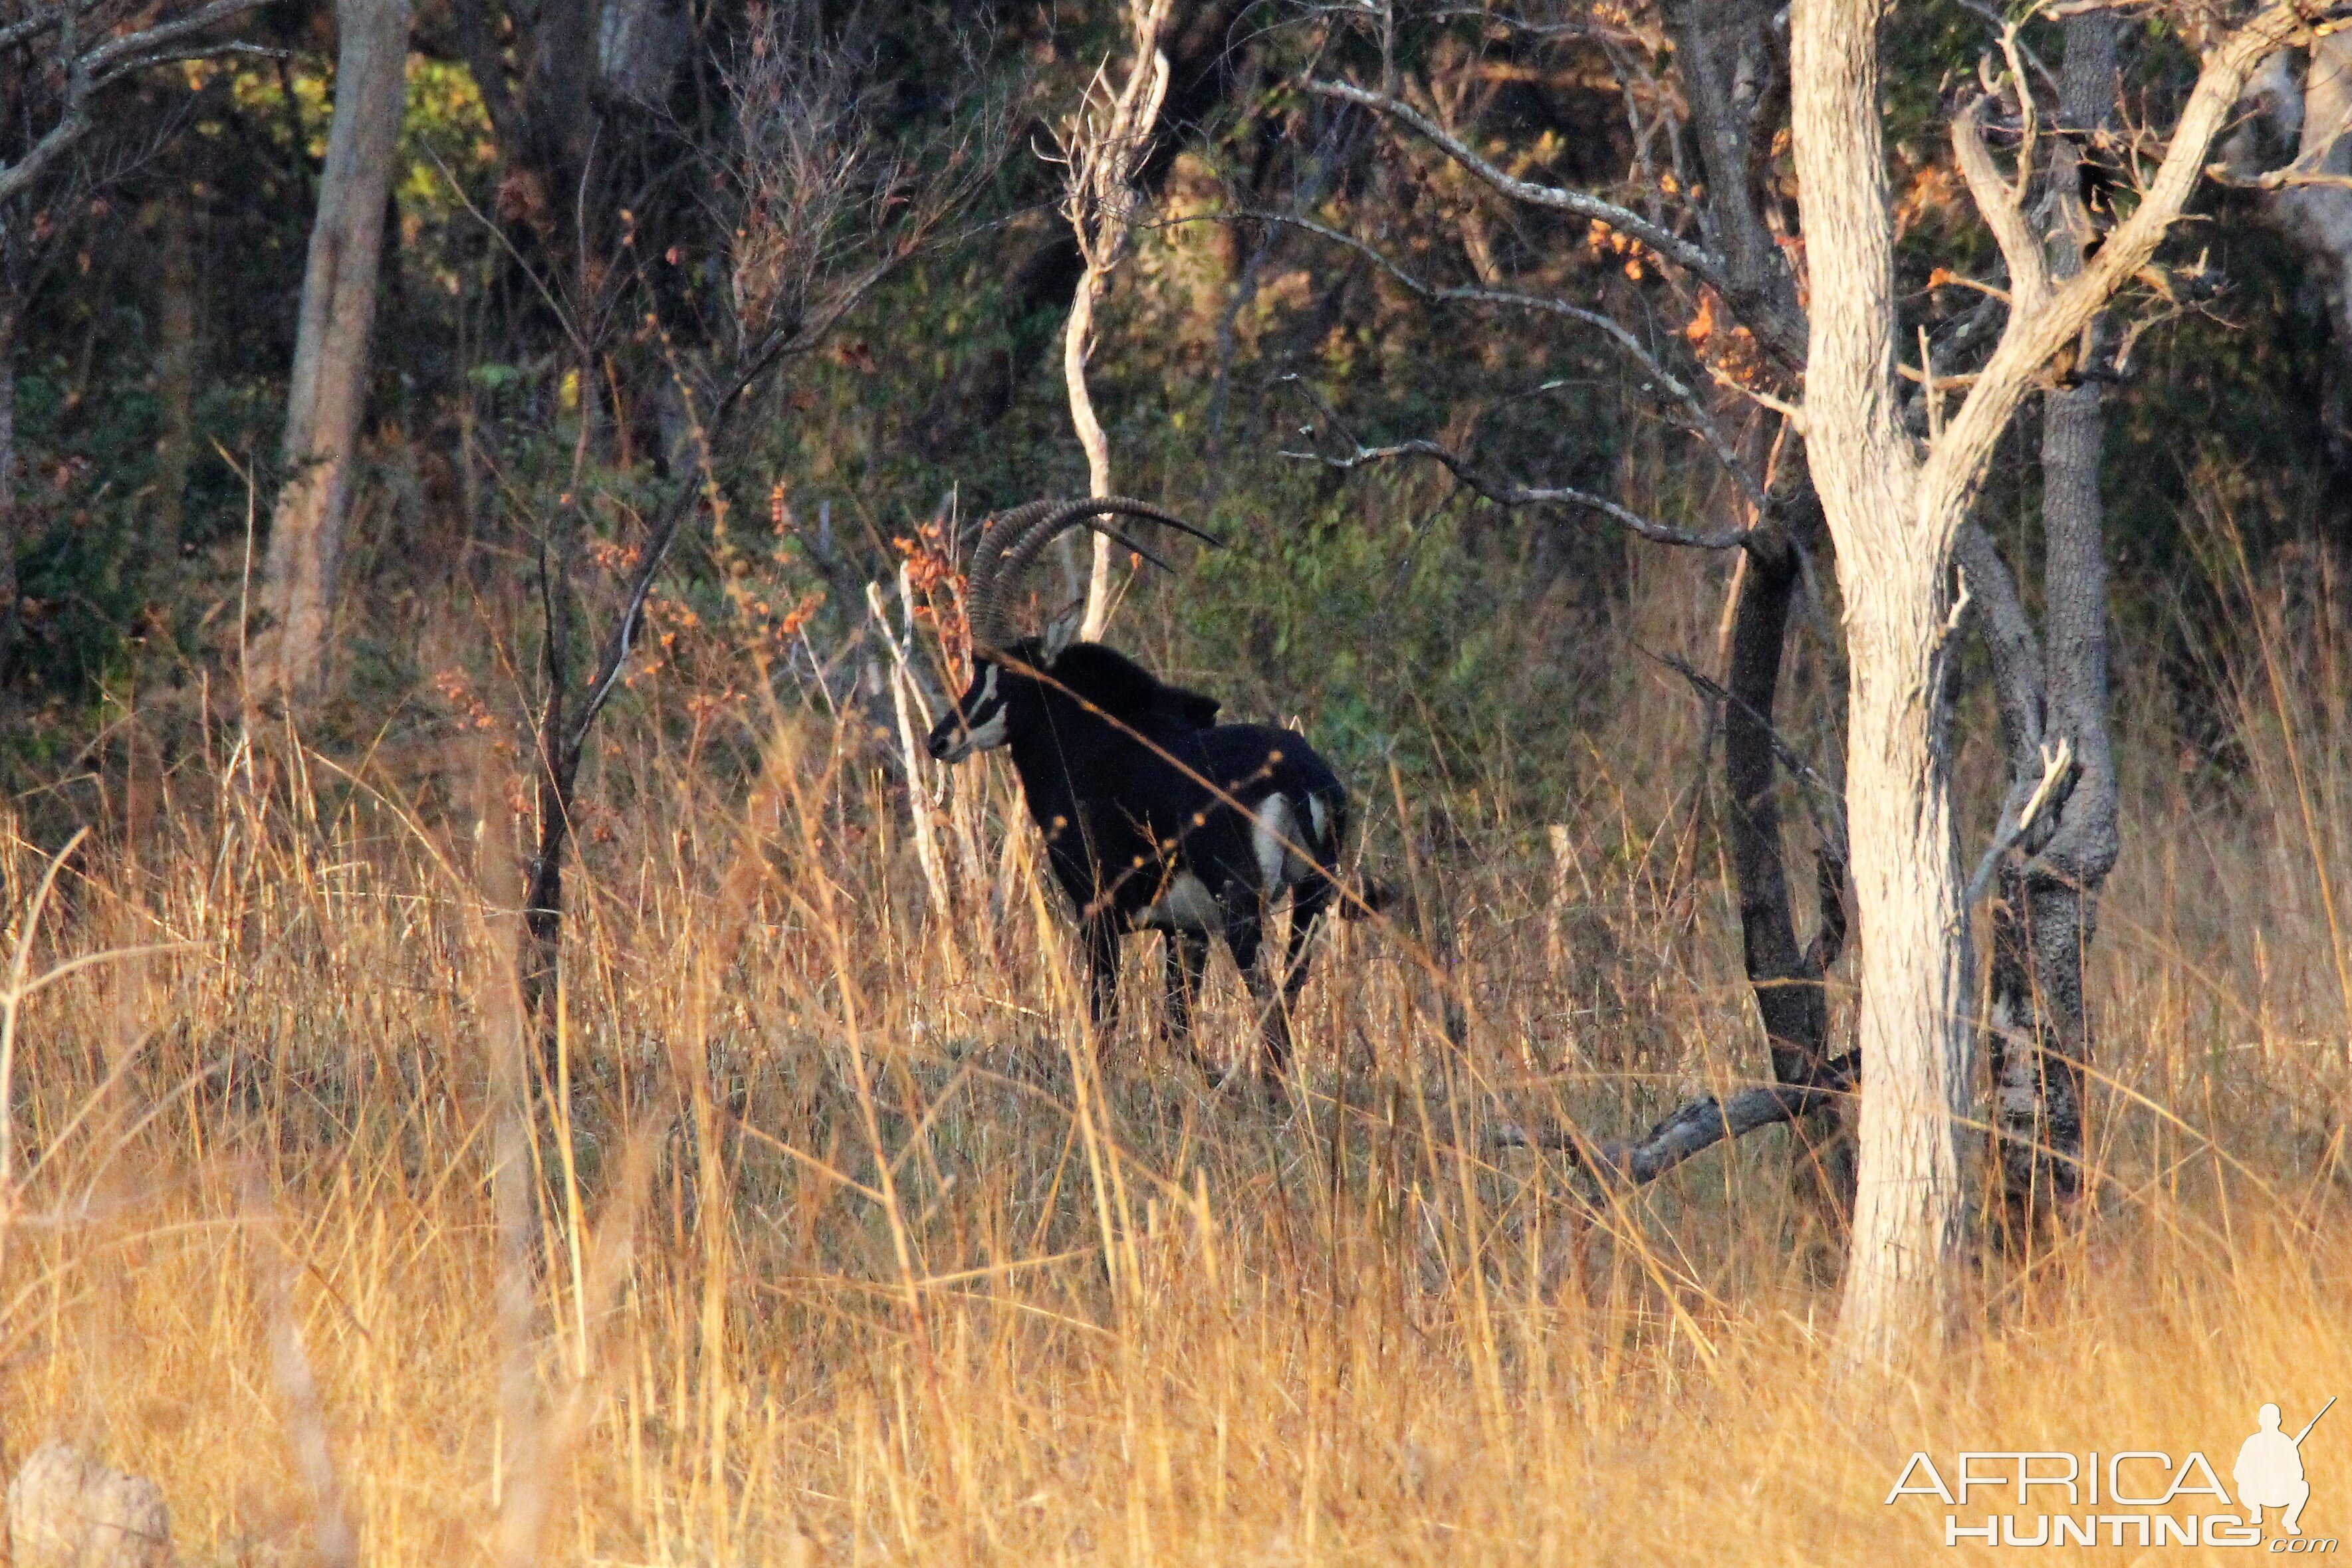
<point>836,1246</point>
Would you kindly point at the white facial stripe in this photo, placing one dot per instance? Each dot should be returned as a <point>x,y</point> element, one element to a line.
<point>984,716</point>
<point>988,736</point>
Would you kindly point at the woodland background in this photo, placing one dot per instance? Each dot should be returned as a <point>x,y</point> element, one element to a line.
<point>160,308</point>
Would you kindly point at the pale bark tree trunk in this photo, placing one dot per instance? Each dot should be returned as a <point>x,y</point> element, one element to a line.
<point>328,389</point>
<point>1078,342</point>
<point>1896,516</point>
<point>1899,509</point>
<point>1105,146</point>
<point>2310,113</point>
<point>2321,215</point>
<point>1894,568</point>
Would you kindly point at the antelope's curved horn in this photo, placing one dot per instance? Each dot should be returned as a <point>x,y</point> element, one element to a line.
<point>1007,551</point>
<point>999,530</point>
<point>979,583</point>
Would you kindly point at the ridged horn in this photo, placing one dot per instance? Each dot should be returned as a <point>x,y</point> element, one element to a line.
<point>980,595</point>
<point>1013,539</point>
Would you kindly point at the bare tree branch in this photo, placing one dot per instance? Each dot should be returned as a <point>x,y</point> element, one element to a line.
<point>2029,796</point>
<point>1510,494</point>
<point>1956,466</point>
<point>89,74</point>
<point>2010,636</point>
<point>1696,417</point>
<point>1693,259</point>
<point>2002,207</point>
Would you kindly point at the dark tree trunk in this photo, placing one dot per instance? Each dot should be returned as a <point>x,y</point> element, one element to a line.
<point>12,621</point>
<point>2039,1028</point>
<point>559,772</point>
<point>1790,998</point>
<point>176,383</point>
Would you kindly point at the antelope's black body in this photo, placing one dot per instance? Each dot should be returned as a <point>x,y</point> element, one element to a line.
<point>1156,818</point>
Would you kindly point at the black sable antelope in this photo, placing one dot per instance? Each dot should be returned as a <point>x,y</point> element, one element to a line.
<point>1156,817</point>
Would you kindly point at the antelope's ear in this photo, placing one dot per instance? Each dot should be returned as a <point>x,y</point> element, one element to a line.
<point>1192,707</point>
<point>1061,631</point>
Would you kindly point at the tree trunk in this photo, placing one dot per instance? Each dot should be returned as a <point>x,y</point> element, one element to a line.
<point>1893,547</point>
<point>1077,339</point>
<point>176,383</point>
<point>1790,998</point>
<point>1916,990</point>
<point>328,389</point>
<point>2038,1029</point>
<point>2317,218</point>
<point>12,618</point>
<point>1205,58</point>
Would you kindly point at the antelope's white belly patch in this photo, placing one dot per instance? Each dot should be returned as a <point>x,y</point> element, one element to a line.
<point>1185,905</point>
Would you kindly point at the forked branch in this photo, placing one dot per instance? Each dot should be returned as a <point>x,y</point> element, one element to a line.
<point>87,73</point>
<point>2036,332</point>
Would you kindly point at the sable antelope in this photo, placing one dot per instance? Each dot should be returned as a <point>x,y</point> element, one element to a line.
<point>1156,818</point>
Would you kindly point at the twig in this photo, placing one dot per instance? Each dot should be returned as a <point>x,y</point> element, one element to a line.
<point>2026,799</point>
<point>1508,494</point>
<point>1790,759</point>
<point>88,74</point>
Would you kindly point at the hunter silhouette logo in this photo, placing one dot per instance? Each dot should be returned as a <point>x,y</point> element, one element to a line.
<point>2127,1497</point>
<point>2269,1472</point>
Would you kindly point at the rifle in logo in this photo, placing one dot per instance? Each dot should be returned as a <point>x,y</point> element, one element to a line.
<point>2269,1472</point>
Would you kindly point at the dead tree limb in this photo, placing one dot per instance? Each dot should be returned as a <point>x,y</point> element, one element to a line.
<point>1697,1125</point>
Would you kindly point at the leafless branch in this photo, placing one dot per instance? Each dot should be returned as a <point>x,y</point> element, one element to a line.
<point>2002,207</point>
<point>2303,170</point>
<point>89,73</point>
<point>2030,796</point>
<point>2057,316</point>
<point>817,207</point>
<point>1693,259</point>
<point>2016,649</point>
<point>1696,414</point>
<point>1791,758</point>
<point>1510,494</point>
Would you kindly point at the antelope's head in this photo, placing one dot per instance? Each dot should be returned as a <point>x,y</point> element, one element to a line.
<point>1009,670</point>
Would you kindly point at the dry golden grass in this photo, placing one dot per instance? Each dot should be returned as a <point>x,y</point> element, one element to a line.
<point>833,1250</point>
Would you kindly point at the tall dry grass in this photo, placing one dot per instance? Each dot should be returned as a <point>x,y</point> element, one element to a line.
<point>834,1245</point>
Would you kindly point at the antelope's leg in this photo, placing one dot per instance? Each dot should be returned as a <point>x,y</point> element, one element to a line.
<point>1186,958</point>
<point>1101,935</point>
<point>1307,907</point>
<point>1245,935</point>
